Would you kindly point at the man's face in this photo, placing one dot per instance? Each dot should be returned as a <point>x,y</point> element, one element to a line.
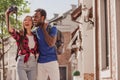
<point>37,19</point>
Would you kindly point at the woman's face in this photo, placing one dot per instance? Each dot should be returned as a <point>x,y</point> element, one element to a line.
<point>28,23</point>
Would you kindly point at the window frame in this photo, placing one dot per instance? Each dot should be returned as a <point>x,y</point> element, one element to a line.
<point>105,43</point>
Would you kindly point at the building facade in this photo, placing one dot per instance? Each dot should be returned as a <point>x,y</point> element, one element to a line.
<point>105,37</point>
<point>107,24</point>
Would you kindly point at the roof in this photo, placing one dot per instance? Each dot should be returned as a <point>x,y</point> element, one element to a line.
<point>55,19</point>
<point>62,16</point>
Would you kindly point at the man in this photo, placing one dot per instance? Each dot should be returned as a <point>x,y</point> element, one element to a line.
<point>47,60</point>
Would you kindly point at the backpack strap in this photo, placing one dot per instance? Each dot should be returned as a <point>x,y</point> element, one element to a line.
<point>49,28</point>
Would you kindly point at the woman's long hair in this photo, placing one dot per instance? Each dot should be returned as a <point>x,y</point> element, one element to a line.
<point>23,33</point>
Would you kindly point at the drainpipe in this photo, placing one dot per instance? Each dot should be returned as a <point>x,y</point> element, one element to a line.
<point>96,40</point>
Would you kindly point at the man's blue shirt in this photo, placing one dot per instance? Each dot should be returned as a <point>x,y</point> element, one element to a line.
<point>46,53</point>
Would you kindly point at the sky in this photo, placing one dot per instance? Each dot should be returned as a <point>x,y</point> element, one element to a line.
<point>52,6</point>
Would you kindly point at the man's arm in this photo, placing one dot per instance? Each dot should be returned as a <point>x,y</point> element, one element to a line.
<point>49,39</point>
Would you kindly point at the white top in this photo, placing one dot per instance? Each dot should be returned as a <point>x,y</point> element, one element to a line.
<point>31,43</point>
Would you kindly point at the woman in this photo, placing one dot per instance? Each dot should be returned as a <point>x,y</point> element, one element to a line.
<point>27,48</point>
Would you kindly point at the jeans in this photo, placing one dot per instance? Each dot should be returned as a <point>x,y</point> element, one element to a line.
<point>28,70</point>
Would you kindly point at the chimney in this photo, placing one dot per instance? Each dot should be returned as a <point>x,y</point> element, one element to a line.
<point>73,6</point>
<point>55,15</point>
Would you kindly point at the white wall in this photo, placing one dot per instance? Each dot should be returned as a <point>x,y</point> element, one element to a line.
<point>88,48</point>
<point>88,42</point>
<point>68,22</point>
<point>88,3</point>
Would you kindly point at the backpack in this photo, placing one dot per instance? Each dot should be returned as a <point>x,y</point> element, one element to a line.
<point>59,41</point>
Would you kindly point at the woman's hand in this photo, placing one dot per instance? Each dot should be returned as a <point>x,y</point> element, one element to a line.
<point>7,13</point>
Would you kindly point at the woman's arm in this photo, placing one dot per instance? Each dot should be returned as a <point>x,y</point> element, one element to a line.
<point>7,13</point>
<point>11,30</point>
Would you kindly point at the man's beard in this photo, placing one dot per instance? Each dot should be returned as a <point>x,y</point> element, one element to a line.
<point>38,24</point>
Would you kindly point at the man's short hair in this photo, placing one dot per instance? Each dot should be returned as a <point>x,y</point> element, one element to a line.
<point>42,12</point>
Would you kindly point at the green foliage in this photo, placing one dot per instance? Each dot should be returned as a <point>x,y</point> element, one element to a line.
<point>21,4</point>
<point>76,73</point>
<point>4,5</point>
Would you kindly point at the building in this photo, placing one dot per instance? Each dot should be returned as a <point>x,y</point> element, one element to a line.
<point>106,13</point>
<point>105,37</point>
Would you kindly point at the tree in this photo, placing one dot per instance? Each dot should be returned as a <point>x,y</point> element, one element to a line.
<point>4,4</point>
<point>22,8</point>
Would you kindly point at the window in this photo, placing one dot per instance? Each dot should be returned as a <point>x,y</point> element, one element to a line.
<point>105,62</point>
<point>0,75</point>
<point>63,72</point>
<point>105,39</point>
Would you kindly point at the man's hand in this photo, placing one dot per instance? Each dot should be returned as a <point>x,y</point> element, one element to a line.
<point>45,26</point>
<point>49,39</point>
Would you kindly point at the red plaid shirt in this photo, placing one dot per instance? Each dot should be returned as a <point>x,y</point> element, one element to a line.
<point>25,48</point>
